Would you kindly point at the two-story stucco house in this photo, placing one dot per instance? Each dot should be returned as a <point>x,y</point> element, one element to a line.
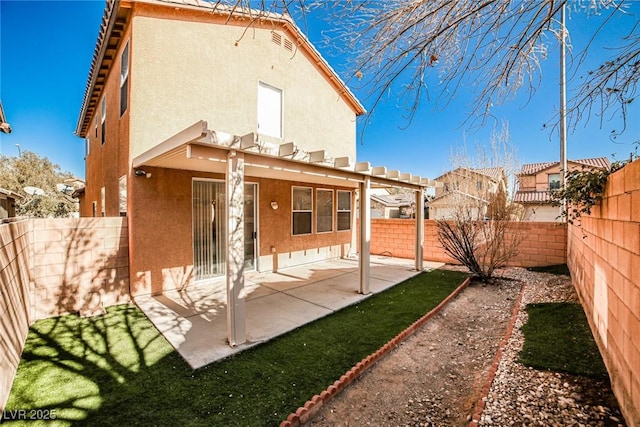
<point>227,141</point>
<point>536,180</point>
<point>478,189</point>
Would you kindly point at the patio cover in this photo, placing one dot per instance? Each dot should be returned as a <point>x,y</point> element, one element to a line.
<point>198,148</point>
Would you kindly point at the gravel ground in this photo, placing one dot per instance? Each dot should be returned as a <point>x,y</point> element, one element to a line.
<point>522,396</point>
<point>435,377</point>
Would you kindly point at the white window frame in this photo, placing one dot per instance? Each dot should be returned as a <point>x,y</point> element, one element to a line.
<point>124,78</point>
<point>103,201</point>
<point>331,209</point>
<point>559,181</point>
<point>270,103</point>
<point>340,210</point>
<point>122,194</point>
<point>103,120</point>
<point>295,209</point>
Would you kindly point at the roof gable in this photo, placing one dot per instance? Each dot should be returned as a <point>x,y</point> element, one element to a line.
<point>116,16</point>
<point>496,173</point>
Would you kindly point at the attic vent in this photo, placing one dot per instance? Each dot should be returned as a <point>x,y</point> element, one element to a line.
<point>288,44</point>
<point>276,38</point>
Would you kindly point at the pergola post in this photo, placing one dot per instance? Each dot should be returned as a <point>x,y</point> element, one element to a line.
<point>419,229</point>
<point>365,235</point>
<point>234,180</point>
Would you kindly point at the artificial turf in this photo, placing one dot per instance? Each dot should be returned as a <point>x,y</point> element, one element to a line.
<point>117,370</point>
<point>557,338</point>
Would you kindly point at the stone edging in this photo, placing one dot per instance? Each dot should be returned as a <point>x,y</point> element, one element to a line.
<point>479,406</point>
<point>305,413</point>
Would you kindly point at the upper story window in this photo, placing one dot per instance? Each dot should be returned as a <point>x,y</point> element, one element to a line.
<point>103,120</point>
<point>344,210</point>
<point>124,79</point>
<point>103,201</point>
<point>324,211</point>
<point>269,110</point>
<point>554,181</point>
<point>122,192</point>
<point>301,210</point>
<point>87,146</point>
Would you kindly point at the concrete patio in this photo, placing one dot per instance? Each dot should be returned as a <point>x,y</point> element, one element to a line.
<point>194,320</point>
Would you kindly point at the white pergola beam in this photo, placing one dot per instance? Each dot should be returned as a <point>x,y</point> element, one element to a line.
<point>342,162</point>
<point>405,177</point>
<point>379,171</point>
<point>393,174</point>
<point>249,140</point>
<point>287,149</point>
<point>317,156</point>
<point>363,167</point>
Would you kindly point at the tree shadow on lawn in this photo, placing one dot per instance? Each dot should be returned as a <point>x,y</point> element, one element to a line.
<point>116,369</point>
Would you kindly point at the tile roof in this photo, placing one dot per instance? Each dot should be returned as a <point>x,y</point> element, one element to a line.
<point>534,168</point>
<point>532,197</point>
<point>493,173</point>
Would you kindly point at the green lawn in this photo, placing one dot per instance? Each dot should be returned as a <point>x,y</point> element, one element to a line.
<point>559,269</point>
<point>558,338</point>
<point>116,370</point>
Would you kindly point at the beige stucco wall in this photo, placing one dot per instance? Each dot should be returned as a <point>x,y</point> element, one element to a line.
<point>187,70</point>
<point>542,213</point>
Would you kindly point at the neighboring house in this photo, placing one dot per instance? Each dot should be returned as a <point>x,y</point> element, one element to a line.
<point>387,205</point>
<point>536,180</point>
<point>480,190</point>
<point>4,126</point>
<point>8,201</point>
<point>226,140</point>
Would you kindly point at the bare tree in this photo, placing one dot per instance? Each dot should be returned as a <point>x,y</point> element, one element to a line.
<point>476,223</point>
<point>491,47</point>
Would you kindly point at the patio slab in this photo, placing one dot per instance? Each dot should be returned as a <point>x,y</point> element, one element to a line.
<point>194,320</point>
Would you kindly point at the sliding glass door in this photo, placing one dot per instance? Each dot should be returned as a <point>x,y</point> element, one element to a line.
<point>209,228</point>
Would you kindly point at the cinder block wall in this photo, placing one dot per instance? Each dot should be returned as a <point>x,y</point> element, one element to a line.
<point>604,258</point>
<point>14,300</point>
<point>52,267</point>
<point>544,243</point>
<point>79,265</point>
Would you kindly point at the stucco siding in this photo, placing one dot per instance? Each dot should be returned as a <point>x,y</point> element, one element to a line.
<point>187,70</point>
<point>542,213</point>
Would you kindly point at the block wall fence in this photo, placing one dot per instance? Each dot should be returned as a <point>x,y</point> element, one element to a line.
<point>604,259</point>
<point>52,267</point>
<point>544,243</point>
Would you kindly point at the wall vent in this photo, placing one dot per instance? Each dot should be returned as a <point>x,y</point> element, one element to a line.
<point>276,38</point>
<point>288,44</point>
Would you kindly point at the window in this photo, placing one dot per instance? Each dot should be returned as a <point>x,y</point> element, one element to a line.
<point>302,210</point>
<point>102,201</point>
<point>479,185</point>
<point>87,146</point>
<point>554,181</point>
<point>94,208</point>
<point>122,190</point>
<point>124,79</point>
<point>103,120</point>
<point>96,120</point>
<point>269,110</point>
<point>324,211</point>
<point>344,210</point>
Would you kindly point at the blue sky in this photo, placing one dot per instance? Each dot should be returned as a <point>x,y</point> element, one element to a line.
<point>46,49</point>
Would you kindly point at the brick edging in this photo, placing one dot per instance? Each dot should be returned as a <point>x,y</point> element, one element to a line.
<point>479,406</point>
<point>305,413</point>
